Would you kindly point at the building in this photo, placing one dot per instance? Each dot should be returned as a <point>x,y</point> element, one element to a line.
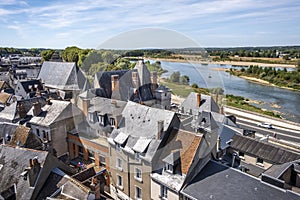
<point>135,147</point>
<point>138,85</point>
<point>52,122</point>
<point>28,88</point>
<point>64,77</point>
<point>255,156</point>
<point>24,171</point>
<point>218,181</point>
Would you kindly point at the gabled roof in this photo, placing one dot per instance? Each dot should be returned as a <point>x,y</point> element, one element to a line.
<point>56,111</point>
<point>205,121</point>
<point>14,161</point>
<point>142,121</point>
<point>268,152</point>
<point>62,75</point>
<point>217,181</point>
<point>32,83</point>
<point>207,104</point>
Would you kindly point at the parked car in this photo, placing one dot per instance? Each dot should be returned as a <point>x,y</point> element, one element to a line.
<point>265,125</point>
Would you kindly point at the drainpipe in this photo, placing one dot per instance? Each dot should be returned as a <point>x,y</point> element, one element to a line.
<point>233,159</point>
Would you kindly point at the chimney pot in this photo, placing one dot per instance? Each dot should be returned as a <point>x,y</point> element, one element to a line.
<point>114,82</point>
<point>37,108</point>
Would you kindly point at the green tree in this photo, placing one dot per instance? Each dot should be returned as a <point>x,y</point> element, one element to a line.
<point>185,80</point>
<point>298,66</point>
<point>175,77</point>
<point>46,54</point>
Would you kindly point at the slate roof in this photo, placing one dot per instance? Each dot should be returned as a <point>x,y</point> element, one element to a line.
<point>26,84</point>
<point>9,113</point>
<point>217,181</point>
<point>56,111</point>
<point>207,104</point>
<point>126,86</point>
<point>142,121</point>
<point>62,75</point>
<point>264,150</point>
<point>23,137</point>
<point>7,129</point>
<point>14,161</point>
<point>107,106</point>
<point>205,121</point>
<point>69,186</point>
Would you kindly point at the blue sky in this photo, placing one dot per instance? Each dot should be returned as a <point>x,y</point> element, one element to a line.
<point>90,23</point>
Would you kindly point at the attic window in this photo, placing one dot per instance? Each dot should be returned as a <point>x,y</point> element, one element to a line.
<point>169,168</point>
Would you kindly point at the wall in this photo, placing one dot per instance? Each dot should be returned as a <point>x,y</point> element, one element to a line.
<point>156,192</point>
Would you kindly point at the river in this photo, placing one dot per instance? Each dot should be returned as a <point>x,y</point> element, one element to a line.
<point>287,102</point>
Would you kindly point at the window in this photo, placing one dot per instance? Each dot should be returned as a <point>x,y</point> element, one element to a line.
<point>101,119</point>
<point>91,155</point>
<point>119,164</point>
<point>259,161</point>
<point>102,161</point>
<point>112,122</point>
<point>164,192</point>
<point>91,117</point>
<point>118,147</point>
<point>80,151</point>
<point>169,168</point>
<point>138,193</point>
<point>137,156</point>
<point>119,181</point>
<point>241,155</point>
<point>138,174</point>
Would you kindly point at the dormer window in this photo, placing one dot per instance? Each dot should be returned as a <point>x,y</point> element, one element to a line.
<point>101,119</point>
<point>118,147</point>
<point>137,156</point>
<point>112,122</point>
<point>169,168</point>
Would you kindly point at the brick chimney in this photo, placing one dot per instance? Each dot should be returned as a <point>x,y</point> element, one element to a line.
<point>160,129</point>
<point>85,106</point>
<point>114,82</point>
<point>37,108</point>
<point>135,79</point>
<point>198,99</point>
<point>21,110</point>
<point>153,78</point>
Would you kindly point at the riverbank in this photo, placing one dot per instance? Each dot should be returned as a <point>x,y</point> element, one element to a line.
<point>233,63</point>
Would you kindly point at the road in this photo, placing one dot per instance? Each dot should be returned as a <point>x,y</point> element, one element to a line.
<point>281,132</point>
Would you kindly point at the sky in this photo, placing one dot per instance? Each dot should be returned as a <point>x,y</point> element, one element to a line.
<point>92,23</point>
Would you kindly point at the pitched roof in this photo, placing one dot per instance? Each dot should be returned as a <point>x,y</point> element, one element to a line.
<point>207,104</point>
<point>217,181</point>
<point>30,83</point>
<point>14,161</point>
<point>9,113</point>
<point>4,97</point>
<point>62,75</point>
<point>57,110</point>
<point>142,121</point>
<point>269,152</point>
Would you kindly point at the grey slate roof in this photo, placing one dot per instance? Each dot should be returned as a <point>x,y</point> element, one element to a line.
<point>142,121</point>
<point>58,110</point>
<point>207,104</point>
<point>126,86</point>
<point>217,181</point>
<point>62,75</point>
<point>13,162</point>
<point>264,150</point>
<point>205,121</point>
<point>26,84</point>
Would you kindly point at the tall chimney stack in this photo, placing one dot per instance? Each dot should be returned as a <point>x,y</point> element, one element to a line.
<point>37,108</point>
<point>135,79</point>
<point>153,78</point>
<point>160,129</point>
<point>198,99</point>
<point>114,82</point>
<point>21,110</point>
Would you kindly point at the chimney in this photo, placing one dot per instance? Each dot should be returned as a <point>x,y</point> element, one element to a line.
<point>153,78</point>
<point>135,79</point>
<point>37,108</point>
<point>114,82</point>
<point>34,170</point>
<point>21,110</point>
<point>160,129</point>
<point>222,110</point>
<point>198,99</point>
<point>85,106</point>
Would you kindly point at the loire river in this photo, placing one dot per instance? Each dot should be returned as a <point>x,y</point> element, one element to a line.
<point>285,101</point>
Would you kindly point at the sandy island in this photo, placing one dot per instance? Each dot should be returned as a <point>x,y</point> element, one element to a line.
<point>233,63</point>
